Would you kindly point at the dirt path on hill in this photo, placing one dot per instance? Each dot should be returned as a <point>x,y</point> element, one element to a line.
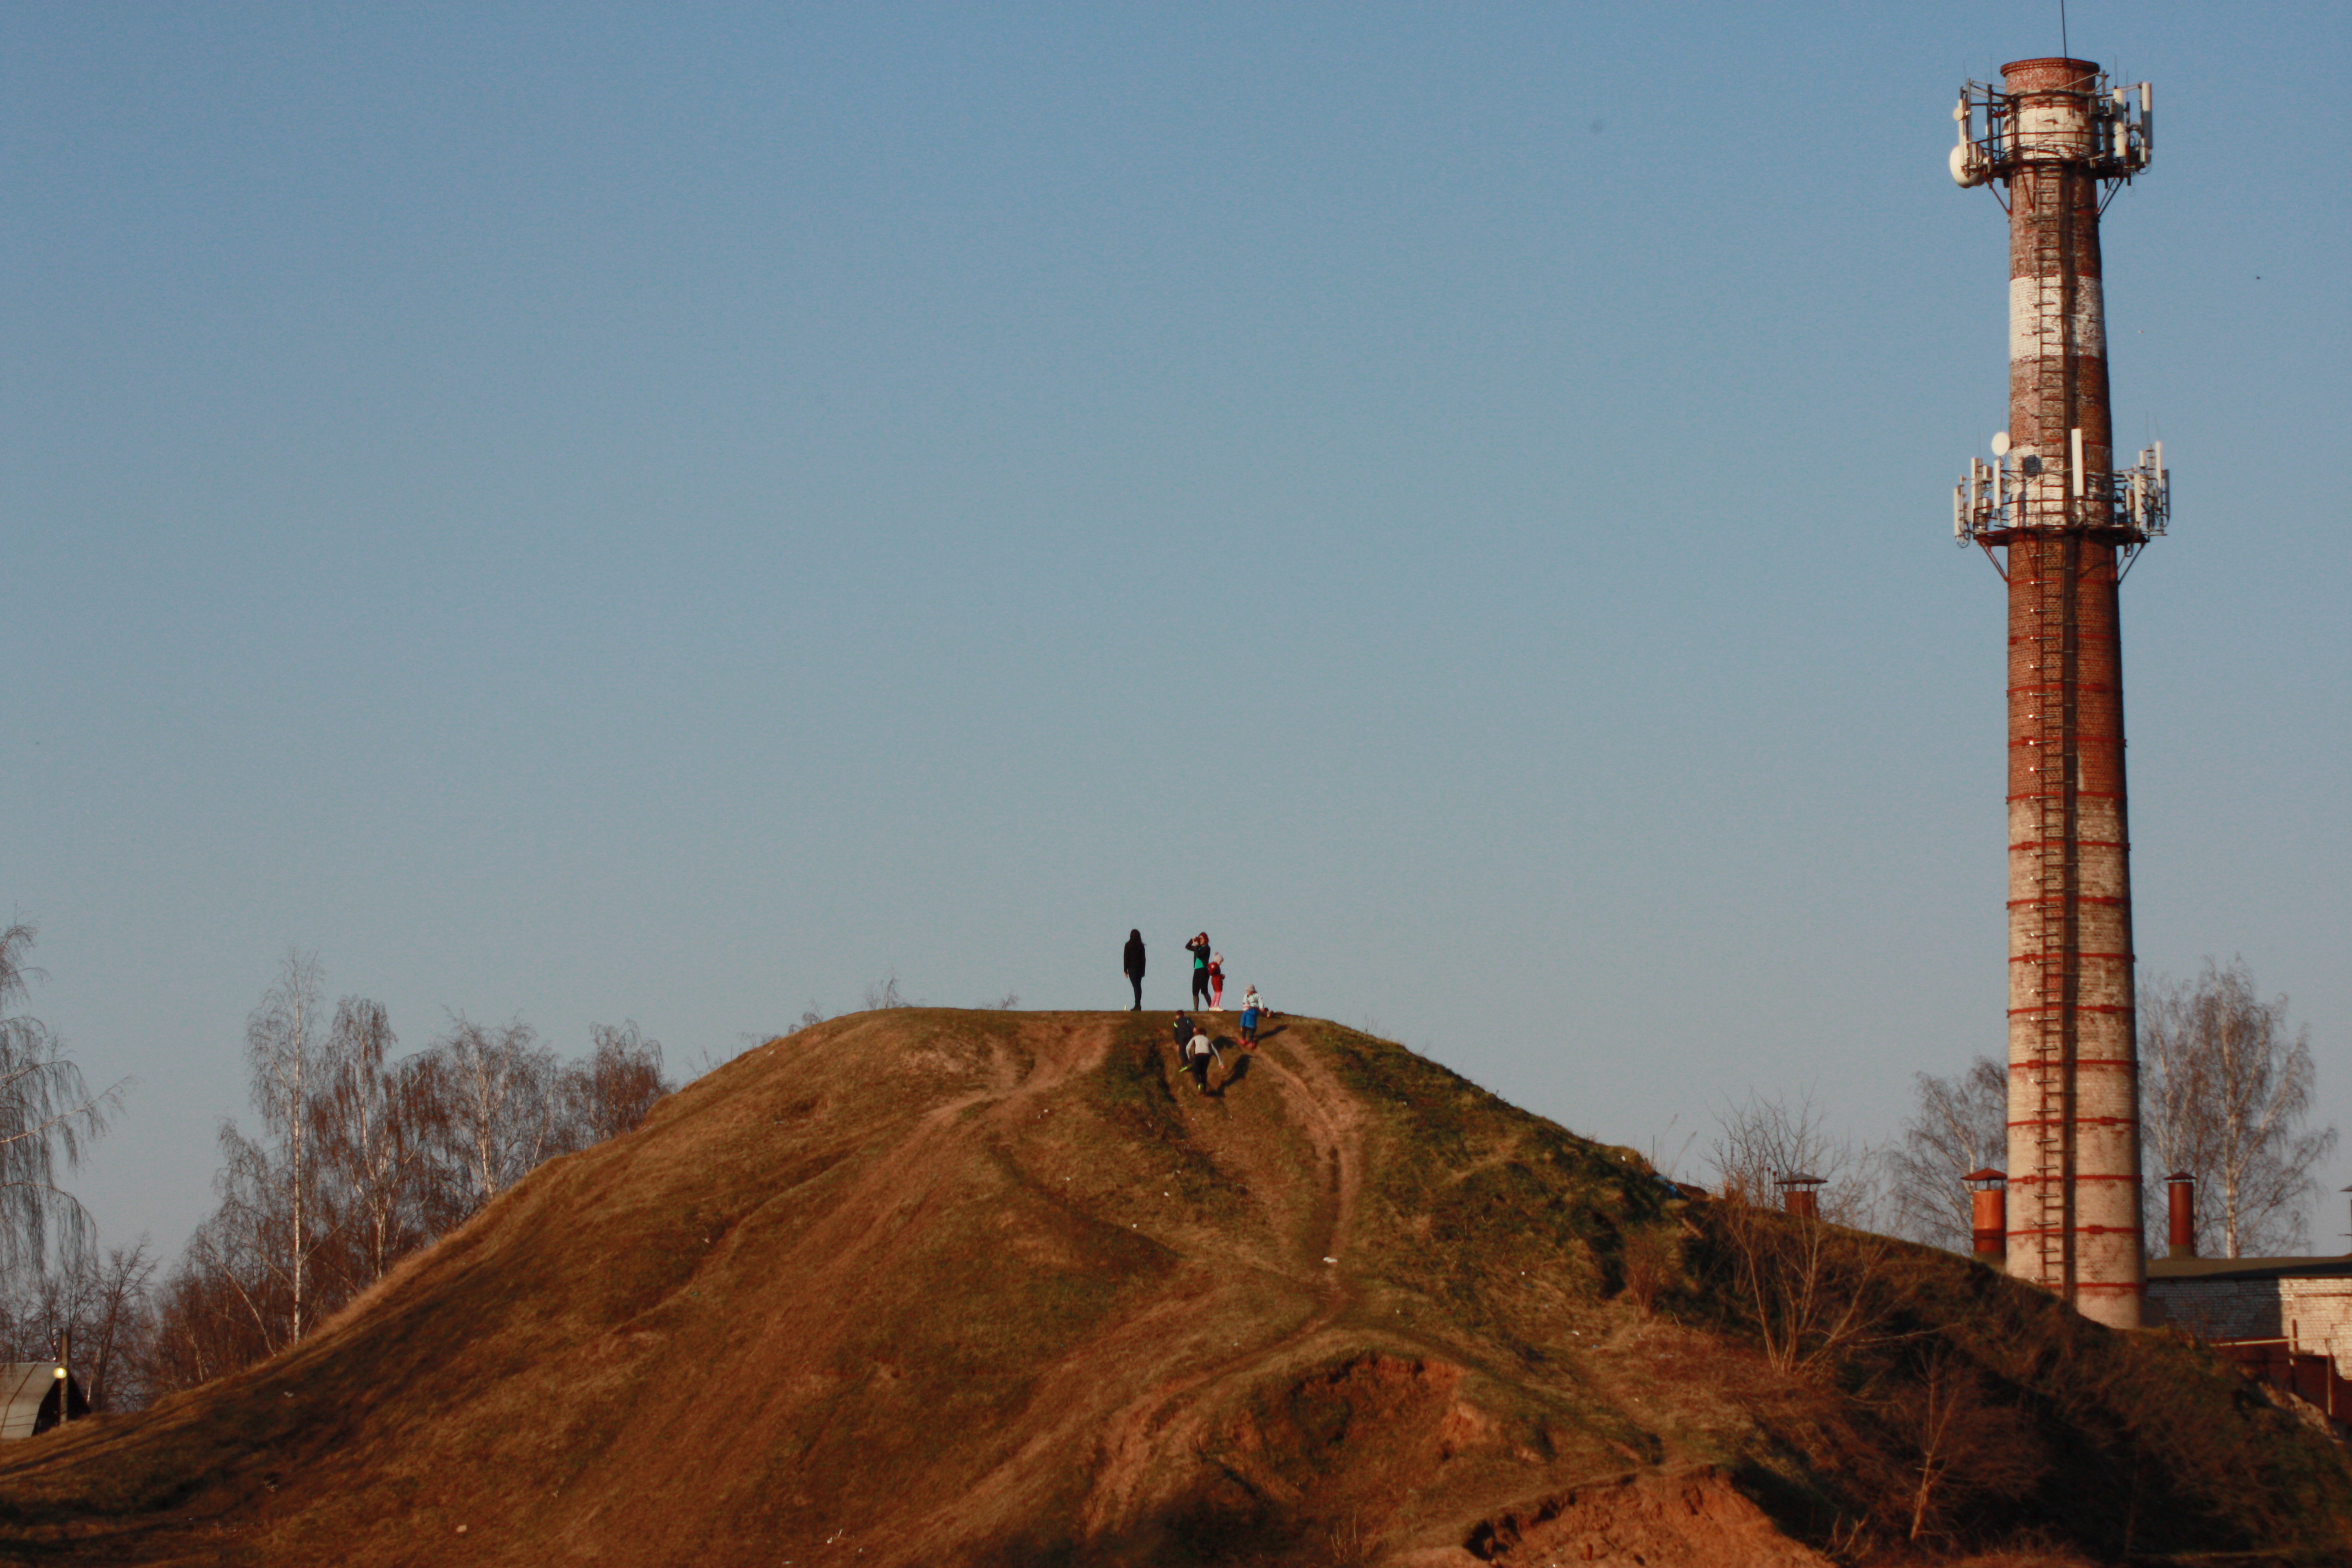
<point>1142,1439</point>
<point>1341,1119</point>
<point>881,1193</point>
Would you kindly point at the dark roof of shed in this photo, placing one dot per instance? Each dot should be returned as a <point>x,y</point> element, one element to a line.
<point>2249,1267</point>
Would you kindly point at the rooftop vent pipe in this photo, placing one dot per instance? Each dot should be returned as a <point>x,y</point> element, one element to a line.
<point>1988,1216</point>
<point>2181,1212</point>
<point>1800,1194</point>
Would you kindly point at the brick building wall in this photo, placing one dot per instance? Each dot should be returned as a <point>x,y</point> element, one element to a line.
<point>2240,1300</point>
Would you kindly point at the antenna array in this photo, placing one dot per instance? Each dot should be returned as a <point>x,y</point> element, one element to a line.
<point>2130,506</point>
<point>2122,132</point>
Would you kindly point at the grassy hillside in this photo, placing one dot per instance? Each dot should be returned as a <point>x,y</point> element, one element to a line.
<point>935,1287</point>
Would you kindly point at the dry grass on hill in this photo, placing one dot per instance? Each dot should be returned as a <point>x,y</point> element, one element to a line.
<point>931,1287</point>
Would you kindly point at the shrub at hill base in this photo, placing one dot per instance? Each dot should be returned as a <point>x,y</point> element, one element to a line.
<point>1941,1401</point>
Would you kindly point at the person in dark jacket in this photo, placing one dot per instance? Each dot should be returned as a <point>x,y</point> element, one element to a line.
<point>1135,967</point>
<point>1199,948</point>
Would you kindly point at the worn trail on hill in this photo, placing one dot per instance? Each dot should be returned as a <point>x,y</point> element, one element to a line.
<point>1144,1438</point>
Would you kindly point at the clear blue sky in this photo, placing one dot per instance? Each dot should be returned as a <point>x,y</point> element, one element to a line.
<point>677,512</point>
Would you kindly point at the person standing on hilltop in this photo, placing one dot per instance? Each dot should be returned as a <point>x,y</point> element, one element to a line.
<point>1217,982</point>
<point>1135,967</point>
<point>1251,1013</point>
<point>1199,948</point>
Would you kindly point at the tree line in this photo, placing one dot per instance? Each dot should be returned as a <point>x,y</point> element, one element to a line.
<point>2227,1086</point>
<point>355,1157</point>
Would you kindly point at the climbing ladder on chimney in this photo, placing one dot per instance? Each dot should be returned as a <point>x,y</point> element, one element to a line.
<point>2057,550</point>
<point>2052,647</point>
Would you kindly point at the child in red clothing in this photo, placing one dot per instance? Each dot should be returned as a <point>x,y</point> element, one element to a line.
<point>1217,983</point>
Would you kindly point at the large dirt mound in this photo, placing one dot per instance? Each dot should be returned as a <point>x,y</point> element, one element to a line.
<point>930,1287</point>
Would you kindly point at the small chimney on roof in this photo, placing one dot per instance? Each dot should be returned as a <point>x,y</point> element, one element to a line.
<point>1800,1194</point>
<point>2180,1215</point>
<point>1988,1215</point>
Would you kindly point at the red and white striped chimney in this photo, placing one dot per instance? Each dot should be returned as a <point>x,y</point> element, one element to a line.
<point>2069,525</point>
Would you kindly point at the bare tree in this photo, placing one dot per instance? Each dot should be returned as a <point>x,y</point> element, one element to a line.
<point>116,1320</point>
<point>270,1199</point>
<point>366,1158</point>
<point>2226,1089</point>
<point>1763,1141</point>
<point>613,1090</point>
<point>214,1314</point>
<point>100,1302</point>
<point>317,1206</point>
<point>248,1284</point>
<point>1964,1444</point>
<point>47,1116</point>
<point>1961,1126</point>
<point>367,1119</point>
<point>497,1109</point>
<point>885,993</point>
<point>1810,1290</point>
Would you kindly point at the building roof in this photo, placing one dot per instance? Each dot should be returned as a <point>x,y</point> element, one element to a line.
<point>23,1385</point>
<point>2249,1267</point>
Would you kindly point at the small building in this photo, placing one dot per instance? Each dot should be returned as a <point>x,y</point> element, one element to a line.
<point>2304,1303</point>
<point>2286,1321</point>
<point>28,1397</point>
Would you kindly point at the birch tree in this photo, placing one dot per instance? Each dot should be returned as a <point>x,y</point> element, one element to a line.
<point>1961,1125</point>
<point>270,1198</point>
<point>613,1090</point>
<point>496,1110</point>
<point>216,1311</point>
<point>363,1157</point>
<point>368,1122</point>
<point>2226,1085</point>
<point>48,1116</point>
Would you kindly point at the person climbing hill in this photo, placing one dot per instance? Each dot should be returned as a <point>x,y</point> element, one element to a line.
<point>1199,948</point>
<point>1197,1055</point>
<point>1134,959</point>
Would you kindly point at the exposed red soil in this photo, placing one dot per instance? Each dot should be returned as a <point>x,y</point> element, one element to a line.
<point>1692,1520</point>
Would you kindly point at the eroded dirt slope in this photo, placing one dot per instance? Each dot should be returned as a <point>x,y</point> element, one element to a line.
<point>934,1287</point>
